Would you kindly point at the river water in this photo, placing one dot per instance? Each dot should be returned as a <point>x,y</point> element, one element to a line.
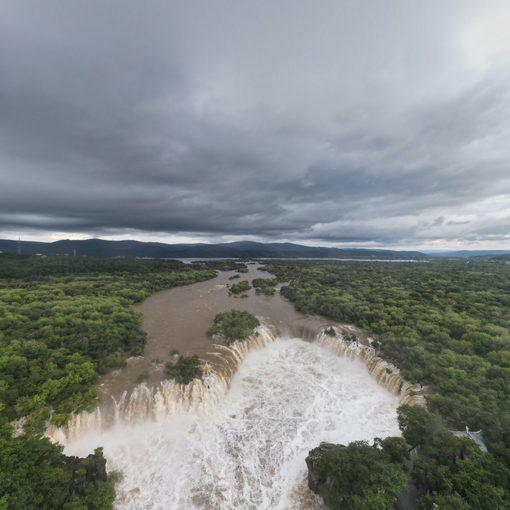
<point>245,450</point>
<point>248,452</point>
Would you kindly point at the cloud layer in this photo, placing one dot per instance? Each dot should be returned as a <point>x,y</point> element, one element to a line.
<point>371,123</point>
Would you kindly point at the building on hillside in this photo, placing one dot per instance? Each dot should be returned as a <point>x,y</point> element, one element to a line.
<point>477,437</point>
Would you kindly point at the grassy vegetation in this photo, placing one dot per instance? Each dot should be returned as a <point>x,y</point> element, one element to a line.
<point>142,376</point>
<point>64,321</point>
<point>234,325</point>
<point>445,324</point>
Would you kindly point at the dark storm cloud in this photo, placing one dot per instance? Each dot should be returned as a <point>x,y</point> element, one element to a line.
<point>374,122</point>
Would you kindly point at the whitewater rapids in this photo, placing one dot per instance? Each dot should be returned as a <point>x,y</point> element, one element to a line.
<point>247,453</point>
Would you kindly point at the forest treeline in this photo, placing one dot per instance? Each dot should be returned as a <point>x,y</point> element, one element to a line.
<point>446,324</point>
<point>63,322</point>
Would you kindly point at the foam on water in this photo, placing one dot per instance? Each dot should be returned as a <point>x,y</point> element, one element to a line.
<point>248,453</point>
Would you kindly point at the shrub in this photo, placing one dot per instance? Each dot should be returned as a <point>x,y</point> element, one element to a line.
<point>265,285</point>
<point>238,288</point>
<point>143,376</point>
<point>184,370</point>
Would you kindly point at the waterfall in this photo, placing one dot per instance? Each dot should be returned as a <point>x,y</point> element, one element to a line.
<point>168,397</point>
<point>249,452</point>
<point>203,395</point>
<point>385,373</point>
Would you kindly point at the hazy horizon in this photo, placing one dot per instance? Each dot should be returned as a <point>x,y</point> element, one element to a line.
<point>300,243</point>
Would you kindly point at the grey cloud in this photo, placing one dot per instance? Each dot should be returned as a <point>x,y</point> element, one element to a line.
<point>331,122</point>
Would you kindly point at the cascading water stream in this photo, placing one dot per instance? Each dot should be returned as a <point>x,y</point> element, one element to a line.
<point>246,450</point>
<point>155,403</point>
<point>386,374</point>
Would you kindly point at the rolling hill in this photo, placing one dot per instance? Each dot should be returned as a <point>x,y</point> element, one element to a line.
<point>242,249</point>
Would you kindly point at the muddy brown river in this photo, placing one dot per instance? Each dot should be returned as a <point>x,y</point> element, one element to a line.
<point>178,318</point>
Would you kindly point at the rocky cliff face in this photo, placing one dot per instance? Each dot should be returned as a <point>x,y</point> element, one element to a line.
<point>357,476</point>
<point>315,477</point>
<point>90,470</point>
<point>320,480</point>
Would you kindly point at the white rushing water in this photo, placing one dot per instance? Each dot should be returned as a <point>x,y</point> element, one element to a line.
<point>248,452</point>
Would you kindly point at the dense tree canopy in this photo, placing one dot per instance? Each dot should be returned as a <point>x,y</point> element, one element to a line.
<point>355,477</point>
<point>35,475</point>
<point>449,468</point>
<point>264,285</point>
<point>237,288</point>
<point>58,332</point>
<point>184,369</point>
<point>64,321</point>
<point>234,325</point>
<point>448,471</point>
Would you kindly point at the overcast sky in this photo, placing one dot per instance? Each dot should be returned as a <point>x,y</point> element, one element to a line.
<point>350,123</point>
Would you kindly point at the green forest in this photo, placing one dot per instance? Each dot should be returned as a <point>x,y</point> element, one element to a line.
<point>450,473</point>
<point>446,324</point>
<point>63,322</point>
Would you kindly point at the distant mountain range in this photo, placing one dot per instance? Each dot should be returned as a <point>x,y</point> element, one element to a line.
<point>242,249</point>
<point>470,253</point>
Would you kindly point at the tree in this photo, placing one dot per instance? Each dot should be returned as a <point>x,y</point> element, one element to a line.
<point>234,325</point>
<point>184,370</point>
<point>355,477</point>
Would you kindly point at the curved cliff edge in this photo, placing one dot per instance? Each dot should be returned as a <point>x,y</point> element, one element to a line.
<point>320,481</point>
<point>385,373</point>
<point>168,397</point>
<point>154,403</point>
